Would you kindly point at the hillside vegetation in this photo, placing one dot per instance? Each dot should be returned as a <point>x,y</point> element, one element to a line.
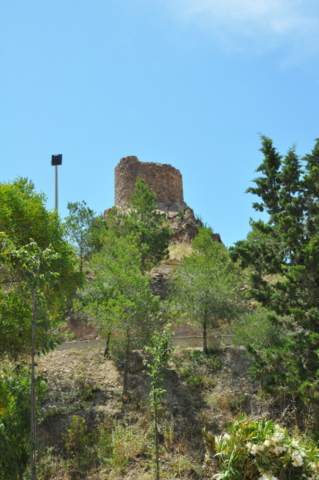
<point>137,408</point>
<point>115,439</point>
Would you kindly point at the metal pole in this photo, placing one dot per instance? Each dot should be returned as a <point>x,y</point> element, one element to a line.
<point>56,187</point>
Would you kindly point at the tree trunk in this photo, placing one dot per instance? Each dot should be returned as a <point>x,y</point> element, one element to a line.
<point>107,346</point>
<point>125,374</point>
<point>33,398</point>
<point>157,468</point>
<point>205,349</point>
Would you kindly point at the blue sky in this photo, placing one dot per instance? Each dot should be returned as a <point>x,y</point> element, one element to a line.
<point>185,82</point>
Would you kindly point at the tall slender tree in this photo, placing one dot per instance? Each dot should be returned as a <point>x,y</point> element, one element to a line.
<point>160,351</point>
<point>37,276</point>
<point>287,248</point>
<point>35,266</point>
<point>268,185</point>
<point>78,226</point>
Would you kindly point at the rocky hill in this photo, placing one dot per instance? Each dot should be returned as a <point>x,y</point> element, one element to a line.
<point>88,430</point>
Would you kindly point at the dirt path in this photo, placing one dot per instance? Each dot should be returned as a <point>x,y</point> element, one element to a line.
<point>178,341</point>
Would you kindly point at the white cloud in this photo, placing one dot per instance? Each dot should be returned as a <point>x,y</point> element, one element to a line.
<point>257,25</point>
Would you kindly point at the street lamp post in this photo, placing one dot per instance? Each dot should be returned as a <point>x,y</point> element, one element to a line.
<point>56,160</point>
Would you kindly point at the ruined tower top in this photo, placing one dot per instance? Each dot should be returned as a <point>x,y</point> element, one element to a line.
<point>165,180</point>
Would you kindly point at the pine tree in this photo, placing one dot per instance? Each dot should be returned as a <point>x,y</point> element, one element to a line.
<point>283,255</point>
<point>206,286</point>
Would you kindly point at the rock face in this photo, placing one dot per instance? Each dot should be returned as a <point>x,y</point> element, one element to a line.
<point>184,227</point>
<point>159,280</point>
<point>165,180</point>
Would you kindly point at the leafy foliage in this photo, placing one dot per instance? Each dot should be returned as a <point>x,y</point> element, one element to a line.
<point>145,222</point>
<point>79,224</point>
<point>36,281</point>
<point>160,351</point>
<point>28,228</point>
<point>15,420</point>
<point>26,266</point>
<point>119,300</point>
<point>24,218</point>
<point>23,215</point>
<point>265,451</point>
<point>283,255</point>
<point>34,266</point>
<point>77,440</point>
<point>206,285</point>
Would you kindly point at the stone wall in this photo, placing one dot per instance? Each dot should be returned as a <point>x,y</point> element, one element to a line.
<point>165,180</point>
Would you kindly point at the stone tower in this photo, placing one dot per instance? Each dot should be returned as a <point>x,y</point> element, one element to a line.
<point>165,180</point>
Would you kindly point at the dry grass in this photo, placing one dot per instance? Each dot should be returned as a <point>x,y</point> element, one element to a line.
<point>179,250</point>
<point>201,392</point>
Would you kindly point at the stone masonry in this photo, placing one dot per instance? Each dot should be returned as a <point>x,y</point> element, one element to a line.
<point>165,180</point>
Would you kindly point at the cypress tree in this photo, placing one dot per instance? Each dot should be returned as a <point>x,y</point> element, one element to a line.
<point>283,256</point>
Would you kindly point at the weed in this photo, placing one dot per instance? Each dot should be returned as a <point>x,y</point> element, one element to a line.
<point>104,446</point>
<point>207,360</point>
<point>185,371</point>
<point>195,381</point>
<point>85,389</point>
<point>219,402</point>
<point>198,221</point>
<point>77,443</point>
<point>181,213</point>
<point>213,351</point>
<point>239,402</point>
<point>177,357</point>
<point>127,443</point>
<point>49,466</point>
<point>196,367</point>
<point>209,382</point>
<point>167,430</point>
<point>183,466</point>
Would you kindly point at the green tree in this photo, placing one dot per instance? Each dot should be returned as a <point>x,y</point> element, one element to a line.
<point>26,264</point>
<point>119,300</point>
<point>160,351</point>
<point>206,285</point>
<point>144,221</point>
<point>15,420</point>
<point>78,224</point>
<point>267,186</point>
<point>283,257</point>
<point>24,216</point>
<point>37,277</point>
<point>35,268</point>
<point>24,220</point>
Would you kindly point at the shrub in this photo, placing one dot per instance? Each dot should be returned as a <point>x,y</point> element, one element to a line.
<point>206,361</point>
<point>15,419</point>
<point>195,381</point>
<point>263,450</point>
<point>77,444</point>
